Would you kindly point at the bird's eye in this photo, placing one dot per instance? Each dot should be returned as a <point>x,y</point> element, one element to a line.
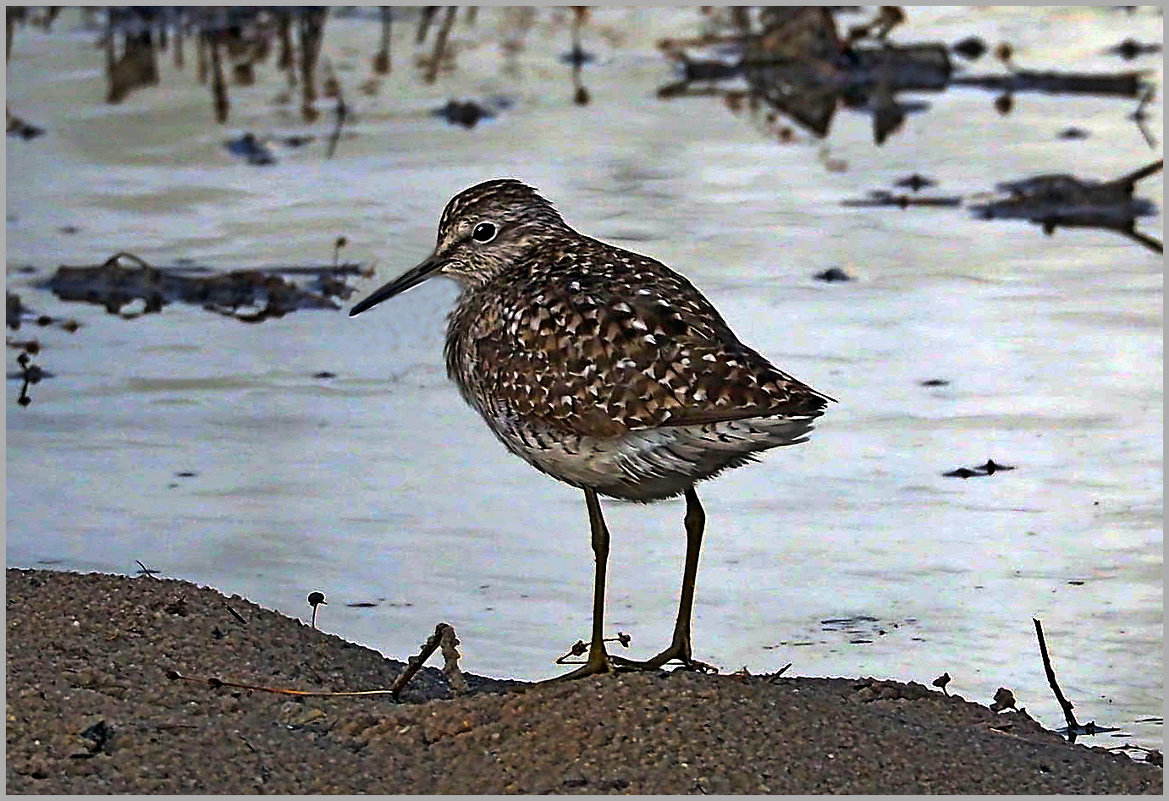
<point>484,232</point>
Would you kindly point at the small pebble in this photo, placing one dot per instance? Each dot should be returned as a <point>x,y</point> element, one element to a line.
<point>832,274</point>
<point>970,48</point>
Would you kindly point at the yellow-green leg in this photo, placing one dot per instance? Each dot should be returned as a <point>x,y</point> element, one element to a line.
<point>599,660</point>
<point>679,648</point>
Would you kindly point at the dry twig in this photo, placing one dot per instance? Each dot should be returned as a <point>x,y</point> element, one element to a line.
<point>415,662</point>
<point>1064,703</point>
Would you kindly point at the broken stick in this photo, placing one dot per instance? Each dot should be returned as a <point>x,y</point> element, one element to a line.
<point>1065,704</point>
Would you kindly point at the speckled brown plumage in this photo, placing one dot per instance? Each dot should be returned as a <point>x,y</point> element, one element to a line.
<point>569,347</point>
<point>593,340</point>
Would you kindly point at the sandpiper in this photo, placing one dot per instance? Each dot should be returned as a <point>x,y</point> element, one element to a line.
<point>604,369</point>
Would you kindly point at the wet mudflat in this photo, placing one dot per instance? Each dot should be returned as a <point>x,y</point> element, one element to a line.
<point>311,452</point>
<point>91,710</point>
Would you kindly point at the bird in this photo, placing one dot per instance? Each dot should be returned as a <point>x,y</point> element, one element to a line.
<point>604,369</point>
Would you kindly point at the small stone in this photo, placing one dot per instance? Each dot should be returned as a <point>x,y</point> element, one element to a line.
<point>832,274</point>
<point>1003,699</point>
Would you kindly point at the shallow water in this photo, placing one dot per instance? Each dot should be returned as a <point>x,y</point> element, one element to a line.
<point>379,485</point>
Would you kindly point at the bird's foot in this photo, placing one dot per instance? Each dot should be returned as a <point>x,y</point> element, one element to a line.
<point>598,662</point>
<point>678,652</point>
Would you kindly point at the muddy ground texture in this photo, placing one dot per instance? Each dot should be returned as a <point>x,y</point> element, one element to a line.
<point>91,709</point>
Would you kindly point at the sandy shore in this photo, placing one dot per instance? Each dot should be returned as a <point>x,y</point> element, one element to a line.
<point>91,710</point>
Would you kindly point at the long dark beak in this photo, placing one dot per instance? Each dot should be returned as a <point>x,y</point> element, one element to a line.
<point>407,280</point>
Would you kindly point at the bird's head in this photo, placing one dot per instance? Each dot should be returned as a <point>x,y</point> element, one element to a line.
<point>482,231</point>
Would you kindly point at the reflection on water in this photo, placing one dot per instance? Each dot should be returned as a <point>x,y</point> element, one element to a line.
<point>317,453</point>
<point>797,63</point>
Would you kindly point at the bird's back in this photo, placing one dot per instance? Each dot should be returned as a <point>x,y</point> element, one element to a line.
<point>582,346</point>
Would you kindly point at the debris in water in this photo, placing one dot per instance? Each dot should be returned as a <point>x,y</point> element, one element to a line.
<point>267,290</point>
<point>914,182</point>
<point>970,48</point>
<point>468,113</point>
<point>249,148</point>
<point>881,197</point>
<point>989,469</point>
<point>19,129</point>
<point>1130,49</point>
<point>1054,201</point>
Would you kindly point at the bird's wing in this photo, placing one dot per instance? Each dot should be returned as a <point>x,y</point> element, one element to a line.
<point>605,352</point>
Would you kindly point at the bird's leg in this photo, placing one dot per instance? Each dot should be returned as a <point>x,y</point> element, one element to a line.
<point>680,646</point>
<point>599,659</point>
